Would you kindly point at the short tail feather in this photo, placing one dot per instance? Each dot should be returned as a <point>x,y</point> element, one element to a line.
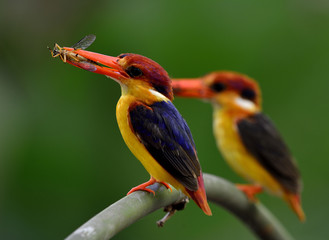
<point>295,203</point>
<point>200,197</point>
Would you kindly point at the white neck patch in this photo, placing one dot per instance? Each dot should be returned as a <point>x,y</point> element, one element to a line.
<point>245,104</point>
<point>158,95</point>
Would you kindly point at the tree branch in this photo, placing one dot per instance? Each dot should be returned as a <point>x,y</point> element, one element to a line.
<point>254,215</point>
<point>129,209</point>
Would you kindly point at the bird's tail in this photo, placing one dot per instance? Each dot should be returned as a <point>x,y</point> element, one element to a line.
<point>200,197</point>
<point>295,204</point>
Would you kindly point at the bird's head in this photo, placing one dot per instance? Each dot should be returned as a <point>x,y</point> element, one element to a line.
<point>224,89</point>
<point>134,72</point>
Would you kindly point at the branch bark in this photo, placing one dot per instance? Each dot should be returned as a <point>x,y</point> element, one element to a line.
<point>129,209</point>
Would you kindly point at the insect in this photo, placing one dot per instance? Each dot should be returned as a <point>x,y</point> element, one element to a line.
<point>69,55</point>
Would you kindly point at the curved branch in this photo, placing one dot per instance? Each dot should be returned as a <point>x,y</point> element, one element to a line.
<point>254,215</point>
<point>129,209</point>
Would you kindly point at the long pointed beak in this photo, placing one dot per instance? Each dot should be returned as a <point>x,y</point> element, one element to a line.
<point>98,63</point>
<point>193,88</point>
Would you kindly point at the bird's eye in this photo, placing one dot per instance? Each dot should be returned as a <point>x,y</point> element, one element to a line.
<point>134,71</point>
<point>122,55</point>
<point>218,87</point>
<point>248,93</point>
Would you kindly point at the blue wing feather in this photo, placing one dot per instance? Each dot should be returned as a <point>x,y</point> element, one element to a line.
<point>166,136</point>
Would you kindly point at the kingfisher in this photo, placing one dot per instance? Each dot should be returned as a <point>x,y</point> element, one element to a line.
<point>150,125</point>
<point>246,137</point>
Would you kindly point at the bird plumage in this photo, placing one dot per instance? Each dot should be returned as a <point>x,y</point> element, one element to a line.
<point>263,141</point>
<point>247,139</point>
<point>150,125</point>
<point>164,133</point>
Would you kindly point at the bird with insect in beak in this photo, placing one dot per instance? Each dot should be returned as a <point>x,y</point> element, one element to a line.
<point>150,125</point>
<point>247,138</point>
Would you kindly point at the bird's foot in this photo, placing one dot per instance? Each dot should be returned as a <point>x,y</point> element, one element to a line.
<point>166,185</point>
<point>143,186</point>
<point>250,190</point>
<point>171,210</point>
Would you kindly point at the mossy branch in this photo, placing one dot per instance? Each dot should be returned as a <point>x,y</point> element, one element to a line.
<point>129,209</point>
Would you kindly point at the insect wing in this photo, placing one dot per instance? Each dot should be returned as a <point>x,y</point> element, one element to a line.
<point>85,42</point>
<point>86,66</point>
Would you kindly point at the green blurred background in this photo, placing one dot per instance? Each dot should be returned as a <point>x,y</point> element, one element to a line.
<point>62,158</point>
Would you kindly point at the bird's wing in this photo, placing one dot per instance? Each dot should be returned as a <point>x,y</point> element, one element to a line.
<point>264,142</point>
<point>168,139</point>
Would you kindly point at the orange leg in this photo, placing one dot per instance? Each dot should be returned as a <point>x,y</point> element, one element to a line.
<point>146,184</point>
<point>166,185</point>
<point>250,190</point>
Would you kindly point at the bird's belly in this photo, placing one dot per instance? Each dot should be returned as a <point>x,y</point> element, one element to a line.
<point>239,158</point>
<point>137,148</point>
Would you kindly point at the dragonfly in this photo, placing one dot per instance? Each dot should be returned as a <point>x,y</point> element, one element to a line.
<point>68,54</point>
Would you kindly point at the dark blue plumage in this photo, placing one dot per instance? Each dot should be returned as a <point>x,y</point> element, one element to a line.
<point>165,134</point>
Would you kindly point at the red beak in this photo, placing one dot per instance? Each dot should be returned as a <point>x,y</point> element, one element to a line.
<point>193,88</point>
<point>98,63</point>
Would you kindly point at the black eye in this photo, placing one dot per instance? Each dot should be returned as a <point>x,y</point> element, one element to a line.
<point>122,55</point>
<point>218,87</point>
<point>248,93</point>
<point>134,71</point>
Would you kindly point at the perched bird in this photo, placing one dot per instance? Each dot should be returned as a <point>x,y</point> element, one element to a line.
<point>150,125</point>
<point>247,138</point>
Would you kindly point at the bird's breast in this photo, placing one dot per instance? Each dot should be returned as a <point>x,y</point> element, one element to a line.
<point>129,136</point>
<point>228,142</point>
<point>237,156</point>
<point>135,145</point>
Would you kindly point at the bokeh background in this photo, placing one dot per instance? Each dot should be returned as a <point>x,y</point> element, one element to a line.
<point>62,158</point>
